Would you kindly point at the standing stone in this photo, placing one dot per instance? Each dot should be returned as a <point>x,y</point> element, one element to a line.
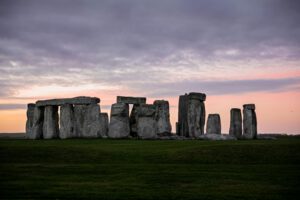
<point>182,125</point>
<point>146,124</point>
<point>235,123</point>
<point>191,114</point>
<point>119,121</point>
<point>195,118</point>
<point>38,120</point>
<point>92,124</point>
<point>133,120</point>
<point>163,123</point>
<point>249,122</point>
<point>50,126</point>
<point>29,122</point>
<point>103,125</point>
<point>79,116</point>
<point>66,129</point>
<point>213,124</point>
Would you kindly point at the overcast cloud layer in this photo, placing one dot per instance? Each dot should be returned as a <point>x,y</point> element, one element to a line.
<point>154,48</point>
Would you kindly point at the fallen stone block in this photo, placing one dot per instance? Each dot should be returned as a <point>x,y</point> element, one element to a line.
<point>216,137</point>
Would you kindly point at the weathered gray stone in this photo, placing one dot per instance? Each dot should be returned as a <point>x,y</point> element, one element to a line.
<point>79,116</point>
<point>182,125</point>
<point>131,100</point>
<point>119,121</point>
<point>29,122</point>
<point>191,115</point>
<point>38,120</point>
<point>213,124</point>
<point>87,121</point>
<point>216,137</point>
<point>163,124</point>
<point>196,118</point>
<point>76,101</point>
<point>50,126</point>
<point>249,122</point>
<point>67,122</point>
<point>103,125</point>
<point>236,123</point>
<point>147,110</point>
<point>146,124</point>
<point>120,109</point>
<point>92,123</point>
<point>146,128</point>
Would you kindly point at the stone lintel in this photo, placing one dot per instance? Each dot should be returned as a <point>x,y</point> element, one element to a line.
<point>131,100</point>
<point>82,100</point>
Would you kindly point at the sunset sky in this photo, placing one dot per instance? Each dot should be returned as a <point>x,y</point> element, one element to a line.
<point>235,51</point>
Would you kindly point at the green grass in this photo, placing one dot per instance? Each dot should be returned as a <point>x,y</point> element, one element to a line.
<point>136,169</point>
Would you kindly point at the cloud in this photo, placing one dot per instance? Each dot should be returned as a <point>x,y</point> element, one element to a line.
<point>133,44</point>
<point>12,106</point>
<point>221,87</point>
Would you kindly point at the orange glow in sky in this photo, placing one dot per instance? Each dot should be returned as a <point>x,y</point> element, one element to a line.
<point>276,112</point>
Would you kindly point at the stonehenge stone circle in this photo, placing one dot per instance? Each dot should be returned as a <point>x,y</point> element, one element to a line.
<point>67,122</point>
<point>119,121</point>
<point>191,115</point>
<point>50,125</point>
<point>249,122</point>
<point>146,124</point>
<point>213,124</point>
<point>29,122</point>
<point>163,123</point>
<point>81,117</point>
<point>236,123</point>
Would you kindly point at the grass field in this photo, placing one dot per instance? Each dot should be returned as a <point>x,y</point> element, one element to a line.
<point>135,169</point>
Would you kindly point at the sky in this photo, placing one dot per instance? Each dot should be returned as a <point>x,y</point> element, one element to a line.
<point>235,51</point>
